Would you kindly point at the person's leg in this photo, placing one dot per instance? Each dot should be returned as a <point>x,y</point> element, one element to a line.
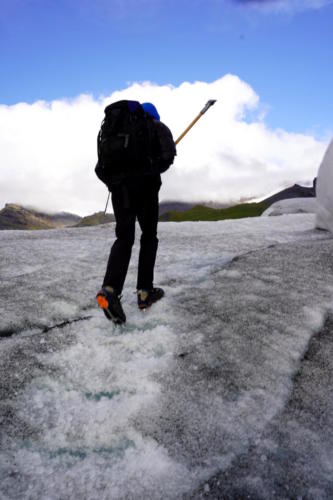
<point>121,250</point>
<point>147,213</point>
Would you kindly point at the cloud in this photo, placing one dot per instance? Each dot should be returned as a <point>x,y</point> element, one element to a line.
<point>48,149</point>
<point>288,6</point>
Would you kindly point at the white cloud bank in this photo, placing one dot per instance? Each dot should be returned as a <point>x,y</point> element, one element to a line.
<point>48,150</point>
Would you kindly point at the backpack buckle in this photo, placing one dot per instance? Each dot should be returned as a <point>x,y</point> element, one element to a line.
<point>126,139</point>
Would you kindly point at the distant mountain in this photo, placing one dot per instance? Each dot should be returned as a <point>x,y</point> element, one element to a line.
<point>182,206</point>
<point>295,191</point>
<point>95,219</point>
<point>64,219</point>
<point>172,211</point>
<point>14,216</point>
<point>17,217</point>
<point>177,206</point>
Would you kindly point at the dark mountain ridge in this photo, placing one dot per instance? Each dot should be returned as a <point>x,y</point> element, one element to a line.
<point>181,206</point>
<point>295,191</point>
<point>205,212</point>
<point>14,216</point>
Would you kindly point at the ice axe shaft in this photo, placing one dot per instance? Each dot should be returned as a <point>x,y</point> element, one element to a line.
<point>202,112</point>
<point>107,202</point>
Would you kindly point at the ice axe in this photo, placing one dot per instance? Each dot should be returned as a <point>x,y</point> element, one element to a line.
<point>202,112</point>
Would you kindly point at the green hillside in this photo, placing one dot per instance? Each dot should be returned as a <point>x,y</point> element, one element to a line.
<point>95,219</point>
<point>202,213</point>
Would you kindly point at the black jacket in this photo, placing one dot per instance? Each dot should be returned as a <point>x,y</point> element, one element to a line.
<point>164,147</point>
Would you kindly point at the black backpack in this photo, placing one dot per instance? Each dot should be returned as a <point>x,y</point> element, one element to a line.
<point>124,143</point>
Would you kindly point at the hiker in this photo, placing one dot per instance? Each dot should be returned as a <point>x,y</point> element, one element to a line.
<point>135,196</point>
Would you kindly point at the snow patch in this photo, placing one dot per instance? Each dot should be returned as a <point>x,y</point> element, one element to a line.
<point>292,206</point>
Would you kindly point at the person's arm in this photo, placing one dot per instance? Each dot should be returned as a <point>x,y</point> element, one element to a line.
<point>167,147</point>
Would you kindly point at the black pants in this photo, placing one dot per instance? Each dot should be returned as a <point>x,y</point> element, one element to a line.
<point>139,200</point>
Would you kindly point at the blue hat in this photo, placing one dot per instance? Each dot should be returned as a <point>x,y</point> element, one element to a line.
<point>151,110</point>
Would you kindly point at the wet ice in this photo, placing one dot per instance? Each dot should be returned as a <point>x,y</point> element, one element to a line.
<point>157,407</point>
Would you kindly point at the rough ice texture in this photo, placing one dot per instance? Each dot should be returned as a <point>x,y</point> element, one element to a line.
<point>221,390</point>
<point>324,191</point>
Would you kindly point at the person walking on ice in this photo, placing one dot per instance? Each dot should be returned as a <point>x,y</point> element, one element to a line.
<point>134,149</point>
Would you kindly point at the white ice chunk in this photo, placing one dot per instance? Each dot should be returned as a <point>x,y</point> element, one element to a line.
<point>324,191</point>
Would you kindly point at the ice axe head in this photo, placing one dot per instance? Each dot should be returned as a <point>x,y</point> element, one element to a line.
<point>207,106</point>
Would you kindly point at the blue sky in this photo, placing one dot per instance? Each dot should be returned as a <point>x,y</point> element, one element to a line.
<point>51,49</point>
<point>267,62</point>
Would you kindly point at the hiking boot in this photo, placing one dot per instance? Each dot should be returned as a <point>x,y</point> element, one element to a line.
<point>109,301</point>
<point>147,297</point>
